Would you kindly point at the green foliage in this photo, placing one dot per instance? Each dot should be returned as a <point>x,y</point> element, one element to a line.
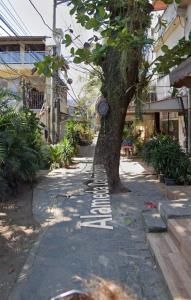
<point>120,25</point>
<point>55,156</point>
<point>67,151</point>
<point>50,64</point>
<point>44,157</point>
<point>67,40</point>
<point>127,133</point>
<point>78,133</point>
<point>5,96</point>
<point>61,154</point>
<point>167,157</point>
<point>72,134</point>
<point>173,56</point>
<point>20,136</point>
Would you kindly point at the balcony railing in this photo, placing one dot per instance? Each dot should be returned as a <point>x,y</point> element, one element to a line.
<point>14,57</point>
<point>166,19</point>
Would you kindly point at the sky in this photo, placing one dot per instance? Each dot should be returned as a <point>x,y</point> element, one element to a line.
<point>35,26</point>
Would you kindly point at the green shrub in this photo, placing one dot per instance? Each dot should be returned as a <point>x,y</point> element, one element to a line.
<point>44,157</point>
<point>20,143</point>
<point>78,134</point>
<point>61,154</point>
<point>167,157</point>
<point>72,134</point>
<point>55,156</point>
<point>138,146</point>
<point>67,152</point>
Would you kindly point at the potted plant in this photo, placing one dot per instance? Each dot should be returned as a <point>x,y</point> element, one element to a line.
<point>168,159</point>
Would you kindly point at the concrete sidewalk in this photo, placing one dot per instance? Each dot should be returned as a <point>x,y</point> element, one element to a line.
<point>65,249</point>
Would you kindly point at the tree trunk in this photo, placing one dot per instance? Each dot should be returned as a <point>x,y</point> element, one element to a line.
<point>118,89</point>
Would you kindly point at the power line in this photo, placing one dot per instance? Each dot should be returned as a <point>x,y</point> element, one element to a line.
<point>13,31</point>
<point>8,25</point>
<point>27,30</point>
<point>5,30</point>
<point>40,15</point>
<point>12,17</point>
<point>74,93</point>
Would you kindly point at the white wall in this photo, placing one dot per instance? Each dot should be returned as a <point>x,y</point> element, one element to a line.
<point>167,16</point>
<point>188,22</point>
<point>163,84</point>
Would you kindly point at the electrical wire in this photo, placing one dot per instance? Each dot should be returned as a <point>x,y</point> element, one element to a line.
<point>42,18</point>
<point>77,99</point>
<point>15,33</point>
<point>24,25</point>
<point>78,70</point>
<point>5,30</point>
<point>12,17</point>
<point>8,25</point>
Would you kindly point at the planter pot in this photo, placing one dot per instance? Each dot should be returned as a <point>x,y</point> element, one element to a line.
<point>161,178</point>
<point>169,181</point>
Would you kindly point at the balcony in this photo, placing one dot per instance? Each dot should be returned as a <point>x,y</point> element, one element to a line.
<point>16,57</point>
<point>165,20</point>
<point>165,105</point>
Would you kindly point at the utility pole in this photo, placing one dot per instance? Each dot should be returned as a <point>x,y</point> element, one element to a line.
<point>53,91</point>
<point>55,107</point>
<point>189,121</point>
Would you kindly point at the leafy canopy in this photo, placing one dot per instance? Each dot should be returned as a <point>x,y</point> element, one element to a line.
<point>119,24</point>
<point>114,21</point>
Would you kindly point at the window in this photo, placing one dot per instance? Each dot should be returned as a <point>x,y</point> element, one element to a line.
<point>34,47</point>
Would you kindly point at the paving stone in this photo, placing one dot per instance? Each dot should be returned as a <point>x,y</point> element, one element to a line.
<point>173,210</point>
<point>66,250</point>
<point>153,221</point>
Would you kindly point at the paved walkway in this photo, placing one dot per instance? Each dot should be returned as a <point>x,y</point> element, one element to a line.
<point>65,249</point>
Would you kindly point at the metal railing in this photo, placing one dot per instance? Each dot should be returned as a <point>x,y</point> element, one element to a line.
<point>35,99</point>
<point>16,57</point>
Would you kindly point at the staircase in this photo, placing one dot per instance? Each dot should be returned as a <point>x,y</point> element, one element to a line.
<point>172,249</point>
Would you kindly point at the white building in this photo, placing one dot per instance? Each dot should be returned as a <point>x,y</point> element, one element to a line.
<point>17,57</point>
<point>168,113</point>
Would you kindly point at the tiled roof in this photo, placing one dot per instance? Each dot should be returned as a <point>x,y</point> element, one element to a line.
<point>22,38</point>
<point>159,5</point>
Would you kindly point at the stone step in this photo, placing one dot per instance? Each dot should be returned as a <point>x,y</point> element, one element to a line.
<point>180,230</point>
<point>153,221</point>
<point>174,210</point>
<point>174,267</point>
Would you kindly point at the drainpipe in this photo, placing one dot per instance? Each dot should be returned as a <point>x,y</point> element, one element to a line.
<point>189,120</point>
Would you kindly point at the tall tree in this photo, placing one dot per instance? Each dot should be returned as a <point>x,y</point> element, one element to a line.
<point>118,49</point>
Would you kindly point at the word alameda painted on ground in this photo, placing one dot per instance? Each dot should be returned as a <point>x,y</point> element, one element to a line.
<point>100,213</point>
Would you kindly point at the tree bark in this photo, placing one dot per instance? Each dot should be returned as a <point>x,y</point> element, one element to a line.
<point>118,90</point>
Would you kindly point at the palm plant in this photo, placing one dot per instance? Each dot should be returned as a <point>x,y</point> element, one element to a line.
<point>67,152</point>
<point>20,143</point>
<point>55,156</point>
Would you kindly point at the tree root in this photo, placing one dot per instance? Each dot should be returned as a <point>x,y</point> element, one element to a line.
<point>119,188</point>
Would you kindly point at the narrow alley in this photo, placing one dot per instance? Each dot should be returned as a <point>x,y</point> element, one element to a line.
<point>65,250</point>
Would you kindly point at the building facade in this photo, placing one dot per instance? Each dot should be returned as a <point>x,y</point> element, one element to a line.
<point>169,114</point>
<point>17,73</point>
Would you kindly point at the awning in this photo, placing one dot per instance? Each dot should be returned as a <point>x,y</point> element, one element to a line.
<point>181,76</point>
